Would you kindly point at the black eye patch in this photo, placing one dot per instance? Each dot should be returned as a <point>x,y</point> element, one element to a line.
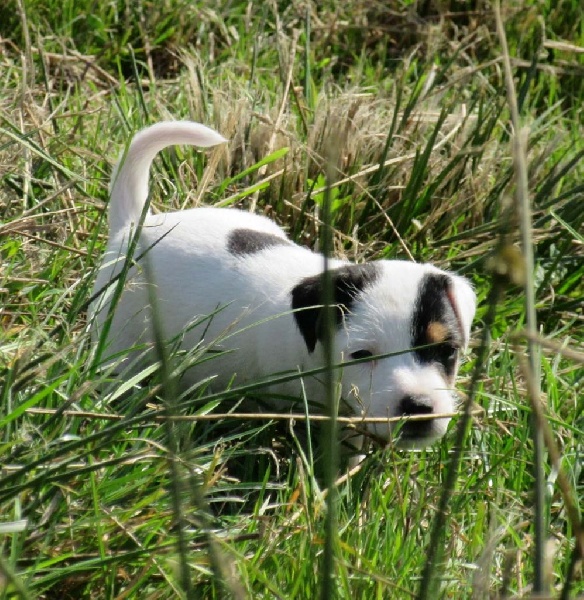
<point>435,328</point>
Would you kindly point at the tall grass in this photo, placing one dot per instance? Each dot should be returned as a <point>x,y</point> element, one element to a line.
<point>106,496</point>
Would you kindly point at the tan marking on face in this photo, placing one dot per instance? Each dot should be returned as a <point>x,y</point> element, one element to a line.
<point>437,332</point>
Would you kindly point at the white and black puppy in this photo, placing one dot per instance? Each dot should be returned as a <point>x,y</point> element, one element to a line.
<point>264,295</point>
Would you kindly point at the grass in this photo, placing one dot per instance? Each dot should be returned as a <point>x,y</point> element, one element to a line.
<point>107,500</point>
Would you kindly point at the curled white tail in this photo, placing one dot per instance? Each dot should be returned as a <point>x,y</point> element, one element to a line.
<point>129,183</point>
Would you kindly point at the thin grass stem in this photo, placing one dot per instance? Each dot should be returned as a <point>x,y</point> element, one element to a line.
<point>523,207</point>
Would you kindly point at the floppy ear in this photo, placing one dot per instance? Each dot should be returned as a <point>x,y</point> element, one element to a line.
<point>307,298</point>
<point>463,301</point>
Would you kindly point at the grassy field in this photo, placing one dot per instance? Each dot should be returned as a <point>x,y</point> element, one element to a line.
<point>103,498</point>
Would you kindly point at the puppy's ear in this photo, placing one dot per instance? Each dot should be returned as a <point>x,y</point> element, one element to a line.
<point>306,297</point>
<point>348,282</point>
<point>463,301</point>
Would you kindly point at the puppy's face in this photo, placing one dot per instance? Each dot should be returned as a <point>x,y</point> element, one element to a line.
<point>418,313</point>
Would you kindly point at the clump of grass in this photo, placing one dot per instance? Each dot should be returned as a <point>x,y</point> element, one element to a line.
<point>424,171</point>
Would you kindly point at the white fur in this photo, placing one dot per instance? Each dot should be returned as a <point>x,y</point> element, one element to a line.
<point>193,275</point>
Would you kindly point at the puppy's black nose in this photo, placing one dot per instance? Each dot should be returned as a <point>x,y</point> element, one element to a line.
<point>415,405</point>
<point>411,406</point>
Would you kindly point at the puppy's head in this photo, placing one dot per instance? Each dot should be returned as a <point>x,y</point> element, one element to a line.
<point>419,314</point>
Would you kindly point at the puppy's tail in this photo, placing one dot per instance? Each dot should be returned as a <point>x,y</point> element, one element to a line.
<point>129,183</point>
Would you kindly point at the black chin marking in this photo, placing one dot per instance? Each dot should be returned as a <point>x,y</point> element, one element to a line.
<point>435,322</point>
<point>307,296</point>
<point>249,241</point>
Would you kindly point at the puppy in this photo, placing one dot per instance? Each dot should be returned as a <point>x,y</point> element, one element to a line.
<point>233,282</point>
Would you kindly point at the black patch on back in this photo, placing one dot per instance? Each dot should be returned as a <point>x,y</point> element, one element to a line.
<point>250,241</point>
<point>434,307</point>
<point>307,297</point>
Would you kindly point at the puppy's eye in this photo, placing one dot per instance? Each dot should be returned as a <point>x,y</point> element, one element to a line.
<point>452,350</point>
<point>361,354</point>
<point>449,352</point>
